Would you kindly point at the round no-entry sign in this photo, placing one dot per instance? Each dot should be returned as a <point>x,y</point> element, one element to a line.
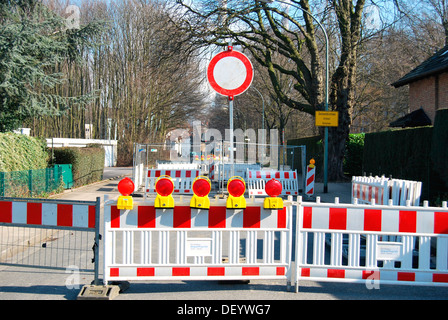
<point>230,73</point>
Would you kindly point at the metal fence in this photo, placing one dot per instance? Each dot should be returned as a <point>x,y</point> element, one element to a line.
<point>50,233</point>
<point>217,154</point>
<point>35,183</point>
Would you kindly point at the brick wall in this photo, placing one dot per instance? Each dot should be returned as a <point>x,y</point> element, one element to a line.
<point>443,91</point>
<point>422,94</point>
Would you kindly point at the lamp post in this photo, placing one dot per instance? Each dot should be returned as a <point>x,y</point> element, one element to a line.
<point>326,85</point>
<point>262,127</point>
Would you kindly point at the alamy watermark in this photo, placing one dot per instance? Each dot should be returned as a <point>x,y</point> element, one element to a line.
<point>72,17</point>
<point>249,146</point>
<point>73,281</point>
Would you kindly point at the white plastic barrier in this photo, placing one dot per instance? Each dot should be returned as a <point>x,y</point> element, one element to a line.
<point>381,190</point>
<point>223,172</point>
<point>138,176</point>
<point>360,247</point>
<point>182,179</point>
<point>256,181</point>
<point>195,244</point>
<point>178,166</point>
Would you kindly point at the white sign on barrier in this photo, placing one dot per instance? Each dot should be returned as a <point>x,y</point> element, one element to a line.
<point>389,251</point>
<point>199,247</point>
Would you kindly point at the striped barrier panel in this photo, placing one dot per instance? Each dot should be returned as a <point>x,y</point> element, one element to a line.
<point>178,166</point>
<point>33,212</point>
<point>256,181</point>
<point>382,190</point>
<point>182,179</point>
<point>367,188</point>
<point>310,177</point>
<point>359,237</point>
<point>195,244</point>
<point>50,220</point>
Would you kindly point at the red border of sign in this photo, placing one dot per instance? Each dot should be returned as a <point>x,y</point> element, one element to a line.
<point>240,89</point>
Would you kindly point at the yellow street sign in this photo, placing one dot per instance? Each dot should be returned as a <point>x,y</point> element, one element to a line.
<point>327,118</point>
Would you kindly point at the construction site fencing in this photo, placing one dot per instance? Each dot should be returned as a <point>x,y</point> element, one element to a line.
<point>381,190</point>
<point>371,244</point>
<point>35,183</point>
<point>214,160</point>
<point>50,233</point>
<point>183,243</point>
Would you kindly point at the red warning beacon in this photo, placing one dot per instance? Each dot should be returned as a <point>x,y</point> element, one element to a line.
<point>236,188</point>
<point>126,188</point>
<point>201,188</point>
<point>164,188</point>
<point>273,188</point>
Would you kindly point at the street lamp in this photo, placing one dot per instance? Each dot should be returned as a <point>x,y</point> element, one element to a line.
<point>326,85</point>
<point>262,127</point>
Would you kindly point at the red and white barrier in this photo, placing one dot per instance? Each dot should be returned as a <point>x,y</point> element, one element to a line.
<point>182,179</point>
<point>379,243</point>
<point>256,181</point>
<point>380,190</point>
<point>195,244</point>
<point>310,177</point>
<point>47,214</point>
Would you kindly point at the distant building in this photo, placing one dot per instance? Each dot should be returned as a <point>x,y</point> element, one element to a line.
<point>428,90</point>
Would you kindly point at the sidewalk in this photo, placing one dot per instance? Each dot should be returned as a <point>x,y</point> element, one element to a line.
<point>342,190</point>
<point>98,189</point>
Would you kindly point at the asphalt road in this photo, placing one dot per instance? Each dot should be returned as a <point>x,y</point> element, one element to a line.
<point>17,283</point>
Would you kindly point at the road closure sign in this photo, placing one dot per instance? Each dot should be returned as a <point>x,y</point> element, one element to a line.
<point>230,73</point>
<point>327,118</point>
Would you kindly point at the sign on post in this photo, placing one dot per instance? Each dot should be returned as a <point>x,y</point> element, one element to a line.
<point>327,118</point>
<point>230,73</point>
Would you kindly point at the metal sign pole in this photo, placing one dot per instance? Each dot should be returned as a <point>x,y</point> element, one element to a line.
<point>232,171</point>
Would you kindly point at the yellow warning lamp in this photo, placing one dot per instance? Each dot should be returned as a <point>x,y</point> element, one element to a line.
<point>125,201</point>
<point>312,162</point>
<point>273,189</point>
<point>236,188</point>
<point>201,188</point>
<point>164,188</point>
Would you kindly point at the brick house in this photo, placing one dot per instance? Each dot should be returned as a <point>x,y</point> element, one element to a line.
<point>428,90</point>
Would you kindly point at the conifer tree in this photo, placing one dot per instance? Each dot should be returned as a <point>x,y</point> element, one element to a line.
<point>34,43</point>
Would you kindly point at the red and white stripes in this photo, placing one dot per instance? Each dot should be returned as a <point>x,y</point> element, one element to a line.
<point>182,179</point>
<point>214,272</point>
<point>396,244</point>
<point>394,220</point>
<point>310,177</point>
<point>47,214</point>
<point>392,277</point>
<point>187,243</point>
<point>146,216</point>
<point>256,181</point>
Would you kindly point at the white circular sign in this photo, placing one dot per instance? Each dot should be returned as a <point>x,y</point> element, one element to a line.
<point>230,73</point>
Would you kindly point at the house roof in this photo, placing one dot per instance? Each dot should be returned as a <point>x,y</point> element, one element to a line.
<point>417,118</point>
<point>436,64</point>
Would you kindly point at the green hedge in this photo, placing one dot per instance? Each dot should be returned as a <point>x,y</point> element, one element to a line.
<point>87,163</point>
<point>419,154</point>
<point>404,153</point>
<point>439,157</point>
<point>20,152</point>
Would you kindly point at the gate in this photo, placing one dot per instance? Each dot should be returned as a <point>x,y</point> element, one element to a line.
<point>362,243</point>
<point>48,233</point>
<point>196,244</point>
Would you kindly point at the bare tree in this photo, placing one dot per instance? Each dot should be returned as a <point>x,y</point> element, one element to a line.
<point>266,31</point>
